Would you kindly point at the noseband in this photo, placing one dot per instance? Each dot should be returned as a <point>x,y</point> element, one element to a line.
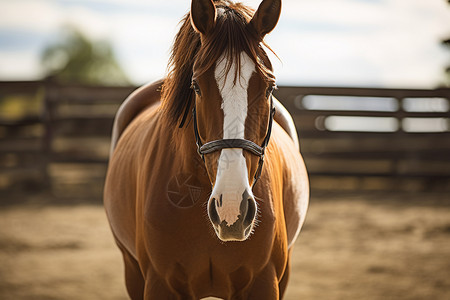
<point>218,145</point>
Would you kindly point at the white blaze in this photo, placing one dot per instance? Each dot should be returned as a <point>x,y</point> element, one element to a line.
<point>232,178</point>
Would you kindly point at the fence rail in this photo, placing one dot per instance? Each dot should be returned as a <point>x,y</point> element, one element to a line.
<point>406,146</point>
<point>56,137</point>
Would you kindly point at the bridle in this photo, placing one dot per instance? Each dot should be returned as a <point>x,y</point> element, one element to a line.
<point>250,146</point>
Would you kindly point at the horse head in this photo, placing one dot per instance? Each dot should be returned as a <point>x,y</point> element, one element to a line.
<point>233,109</point>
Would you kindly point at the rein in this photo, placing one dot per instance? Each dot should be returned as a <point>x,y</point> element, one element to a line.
<point>250,146</point>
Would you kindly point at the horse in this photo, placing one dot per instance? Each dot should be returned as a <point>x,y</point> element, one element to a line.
<point>206,190</point>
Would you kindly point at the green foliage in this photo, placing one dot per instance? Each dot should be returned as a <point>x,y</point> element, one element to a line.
<point>79,60</point>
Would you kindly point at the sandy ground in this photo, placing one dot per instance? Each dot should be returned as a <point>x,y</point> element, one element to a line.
<point>352,247</point>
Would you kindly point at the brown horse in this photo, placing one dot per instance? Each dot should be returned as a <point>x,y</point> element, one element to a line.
<point>221,223</point>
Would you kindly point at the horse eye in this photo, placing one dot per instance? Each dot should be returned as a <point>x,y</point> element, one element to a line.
<point>195,88</point>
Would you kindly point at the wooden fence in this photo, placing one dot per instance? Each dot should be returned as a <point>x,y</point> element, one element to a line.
<point>56,137</point>
<point>361,138</point>
<point>62,144</point>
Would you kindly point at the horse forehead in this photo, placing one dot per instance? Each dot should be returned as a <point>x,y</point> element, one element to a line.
<point>234,93</point>
<point>225,74</point>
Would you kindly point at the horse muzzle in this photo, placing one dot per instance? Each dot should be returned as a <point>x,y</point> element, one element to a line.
<point>232,217</point>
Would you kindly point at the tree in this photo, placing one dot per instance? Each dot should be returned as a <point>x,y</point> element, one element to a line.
<point>79,60</point>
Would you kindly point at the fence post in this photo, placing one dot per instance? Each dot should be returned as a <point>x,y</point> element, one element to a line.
<point>50,94</point>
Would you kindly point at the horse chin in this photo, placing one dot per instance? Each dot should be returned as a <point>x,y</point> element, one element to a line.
<point>234,233</point>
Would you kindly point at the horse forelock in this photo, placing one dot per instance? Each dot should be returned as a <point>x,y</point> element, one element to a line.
<point>231,36</point>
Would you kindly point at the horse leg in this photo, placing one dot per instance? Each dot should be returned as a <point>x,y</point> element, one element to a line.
<point>157,288</point>
<point>284,280</point>
<point>265,286</point>
<point>133,277</point>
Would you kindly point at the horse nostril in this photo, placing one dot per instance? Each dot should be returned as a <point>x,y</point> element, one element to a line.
<point>212,212</point>
<point>248,208</point>
<point>251,212</point>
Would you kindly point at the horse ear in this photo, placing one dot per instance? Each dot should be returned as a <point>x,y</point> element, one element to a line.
<point>203,15</point>
<point>266,17</point>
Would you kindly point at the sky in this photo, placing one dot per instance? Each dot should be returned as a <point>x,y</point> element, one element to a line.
<point>370,43</point>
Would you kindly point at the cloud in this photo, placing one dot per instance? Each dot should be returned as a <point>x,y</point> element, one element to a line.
<point>140,36</point>
<point>349,42</point>
<point>34,15</point>
<point>321,42</point>
<point>143,44</point>
<point>19,65</point>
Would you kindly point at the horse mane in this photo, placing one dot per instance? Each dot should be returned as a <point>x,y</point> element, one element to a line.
<point>231,35</point>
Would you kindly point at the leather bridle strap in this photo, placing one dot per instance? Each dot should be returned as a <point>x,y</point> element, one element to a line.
<point>250,146</point>
<point>231,143</point>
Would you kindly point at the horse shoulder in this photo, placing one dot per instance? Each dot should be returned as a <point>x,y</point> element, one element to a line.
<point>135,103</point>
<point>284,119</point>
<point>120,192</point>
<point>295,182</point>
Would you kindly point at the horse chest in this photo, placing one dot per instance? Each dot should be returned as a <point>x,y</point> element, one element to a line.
<point>180,240</point>
<point>184,252</point>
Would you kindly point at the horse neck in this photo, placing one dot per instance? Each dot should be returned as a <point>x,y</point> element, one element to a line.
<point>185,149</point>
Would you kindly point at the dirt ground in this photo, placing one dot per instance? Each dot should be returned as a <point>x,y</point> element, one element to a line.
<point>375,246</point>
